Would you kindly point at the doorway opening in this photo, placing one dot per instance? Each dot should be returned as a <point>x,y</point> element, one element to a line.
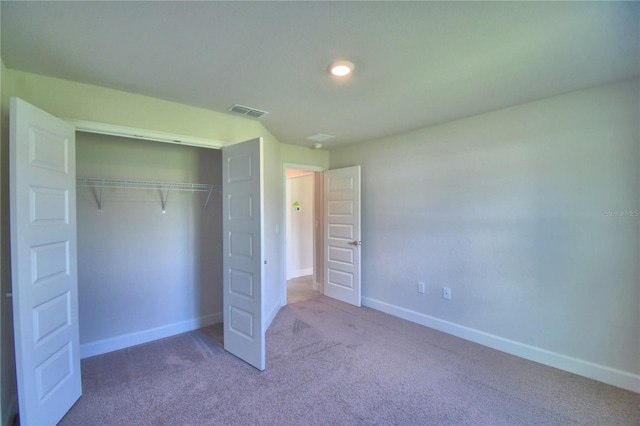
<point>303,213</point>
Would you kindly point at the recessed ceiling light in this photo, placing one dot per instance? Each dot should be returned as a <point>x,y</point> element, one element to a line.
<point>341,68</point>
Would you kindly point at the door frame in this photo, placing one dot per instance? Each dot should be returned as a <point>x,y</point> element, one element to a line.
<point>283,226</point>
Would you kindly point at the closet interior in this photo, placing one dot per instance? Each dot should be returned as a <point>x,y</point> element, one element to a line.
<point>149,222</point>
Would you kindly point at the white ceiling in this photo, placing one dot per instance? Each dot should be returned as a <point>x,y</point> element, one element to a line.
<point>417,63</point>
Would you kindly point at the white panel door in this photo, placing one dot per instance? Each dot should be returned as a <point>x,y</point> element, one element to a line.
<point>342,234</point>
<point>243,233</point>
<point>43,263</point>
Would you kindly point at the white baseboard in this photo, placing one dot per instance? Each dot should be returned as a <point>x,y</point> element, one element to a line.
<point>271,315</point>
<point>126,340</point>
<point>300,273</point>
<point>602,373</point>
<point>10,410</point>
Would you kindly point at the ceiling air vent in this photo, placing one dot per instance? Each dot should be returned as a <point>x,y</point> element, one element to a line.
<point>244,110</point>
<point>320,137</point>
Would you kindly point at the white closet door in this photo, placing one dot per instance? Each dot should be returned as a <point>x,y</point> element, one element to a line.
<point>243,233</point>
<point>43,264</point>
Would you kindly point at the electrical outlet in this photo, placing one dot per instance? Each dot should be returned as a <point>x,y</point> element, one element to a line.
<point>446,293</point>
<point>421,287</point>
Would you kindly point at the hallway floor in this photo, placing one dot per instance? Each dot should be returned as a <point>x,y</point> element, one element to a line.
<point>301,288</point>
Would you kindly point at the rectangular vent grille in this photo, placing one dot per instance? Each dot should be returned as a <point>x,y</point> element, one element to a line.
<point>244,110</point>
<point>320,137</point>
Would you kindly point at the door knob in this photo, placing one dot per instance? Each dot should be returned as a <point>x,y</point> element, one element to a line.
<point>356,243</point>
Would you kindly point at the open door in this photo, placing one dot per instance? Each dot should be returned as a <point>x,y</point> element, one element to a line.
<point>243,234</point>
<point>43,264</point>
<point>342,234</point>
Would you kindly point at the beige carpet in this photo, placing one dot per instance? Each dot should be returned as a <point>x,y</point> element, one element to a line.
<point>329,363</point>
<point>300,289</point>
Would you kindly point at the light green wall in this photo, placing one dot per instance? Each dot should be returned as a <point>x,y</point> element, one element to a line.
<point>69,99</point>
<point>301,155</point>
<point>8,400</point>
<point>273,247</point>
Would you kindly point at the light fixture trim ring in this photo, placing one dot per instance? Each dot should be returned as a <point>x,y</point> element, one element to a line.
<point>341,68</point>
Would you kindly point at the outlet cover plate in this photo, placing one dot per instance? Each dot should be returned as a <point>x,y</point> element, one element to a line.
<point>446,293</point>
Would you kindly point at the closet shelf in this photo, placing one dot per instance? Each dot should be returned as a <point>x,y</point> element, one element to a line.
<point>146,184</point>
